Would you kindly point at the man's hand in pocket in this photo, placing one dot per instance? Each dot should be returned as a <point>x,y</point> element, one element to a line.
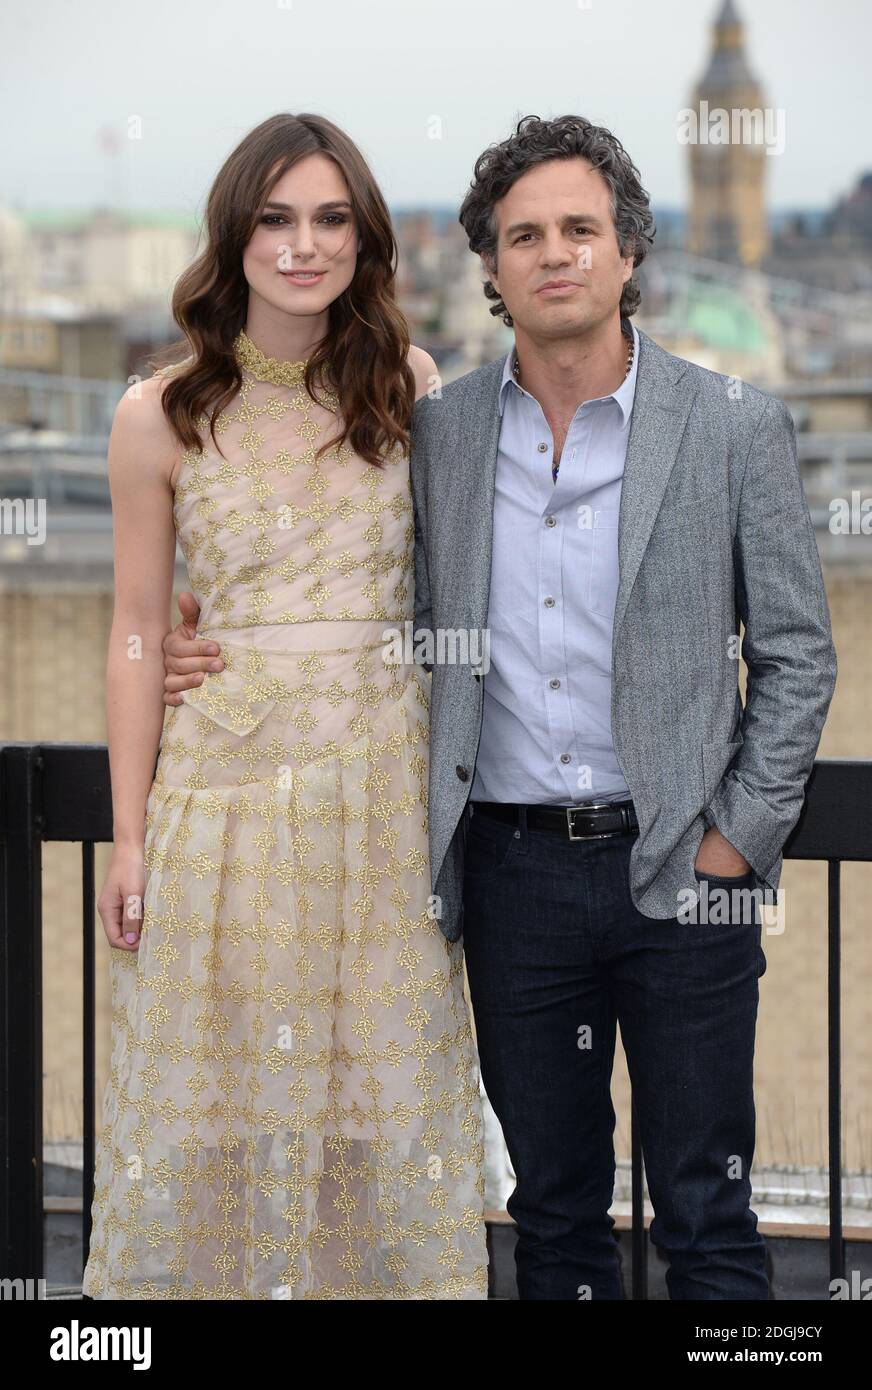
<point>717,856</point>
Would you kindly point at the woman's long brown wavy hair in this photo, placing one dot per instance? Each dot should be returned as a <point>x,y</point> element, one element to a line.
<point>363,354</point>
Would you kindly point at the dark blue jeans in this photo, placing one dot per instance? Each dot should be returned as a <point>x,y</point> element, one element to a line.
<point>556,953</point>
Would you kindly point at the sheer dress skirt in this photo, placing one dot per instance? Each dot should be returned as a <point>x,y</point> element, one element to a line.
<point>293,1106</point>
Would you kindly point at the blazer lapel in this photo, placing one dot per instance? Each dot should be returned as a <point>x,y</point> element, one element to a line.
<point>660,411</point>
<point>481,428</point>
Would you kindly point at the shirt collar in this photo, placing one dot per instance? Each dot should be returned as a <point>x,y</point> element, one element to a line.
<point>624,395</point>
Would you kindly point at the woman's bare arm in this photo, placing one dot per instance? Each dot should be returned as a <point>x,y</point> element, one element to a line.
<point>142,452</point>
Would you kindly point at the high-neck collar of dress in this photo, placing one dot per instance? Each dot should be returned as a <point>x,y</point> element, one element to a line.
<point>265,368</point>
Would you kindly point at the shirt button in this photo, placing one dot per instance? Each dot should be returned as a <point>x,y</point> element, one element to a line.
<point>565,757</point>
<point>543,448</point>
<point>549,602</point>
<point>555,683</point>
<point>551,521</point>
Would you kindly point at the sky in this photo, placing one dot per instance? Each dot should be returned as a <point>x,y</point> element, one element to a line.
<point>196,76</point>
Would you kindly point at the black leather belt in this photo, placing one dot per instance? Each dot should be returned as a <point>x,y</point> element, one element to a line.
<point>591,820</point>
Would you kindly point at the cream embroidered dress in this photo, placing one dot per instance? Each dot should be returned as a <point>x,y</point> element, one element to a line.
<point>293,1106</point>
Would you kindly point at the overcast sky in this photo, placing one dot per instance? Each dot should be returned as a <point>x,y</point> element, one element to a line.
<point>200,74</point>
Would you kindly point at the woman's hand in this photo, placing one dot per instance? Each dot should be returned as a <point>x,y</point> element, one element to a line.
<point>120,903</point>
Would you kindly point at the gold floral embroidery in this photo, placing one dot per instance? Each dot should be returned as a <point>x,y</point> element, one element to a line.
<point>293,1106</point>
<point>267,368</point>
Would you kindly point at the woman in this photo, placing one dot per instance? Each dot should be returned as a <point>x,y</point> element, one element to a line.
<point>293,1106</point>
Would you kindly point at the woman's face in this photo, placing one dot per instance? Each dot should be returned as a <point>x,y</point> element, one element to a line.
<point>303,252</point>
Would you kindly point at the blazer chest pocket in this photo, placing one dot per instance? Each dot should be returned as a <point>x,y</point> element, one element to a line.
<point>687,520</point>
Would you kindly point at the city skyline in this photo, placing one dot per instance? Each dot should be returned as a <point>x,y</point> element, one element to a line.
<point>151,133</point>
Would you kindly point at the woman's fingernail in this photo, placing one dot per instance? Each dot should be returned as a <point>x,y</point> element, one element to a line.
<point>215,665</point>
<point>130,937</point>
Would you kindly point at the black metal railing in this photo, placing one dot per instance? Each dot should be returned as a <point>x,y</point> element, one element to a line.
<point>48,792</point>
<point>61,792</point>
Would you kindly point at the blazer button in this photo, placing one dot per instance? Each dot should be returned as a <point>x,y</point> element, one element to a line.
<point>461,772</point>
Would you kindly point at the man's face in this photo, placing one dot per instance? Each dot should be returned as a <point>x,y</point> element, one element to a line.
<point>555,225</point>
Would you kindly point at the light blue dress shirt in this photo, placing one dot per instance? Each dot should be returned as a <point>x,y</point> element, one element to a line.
<point>546,734</point>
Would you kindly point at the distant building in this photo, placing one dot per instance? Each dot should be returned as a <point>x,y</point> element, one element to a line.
<point>851,218</point>
<point>718,326</point>
<point>61,339</point>
<point>103,260</point>
<point>832,251</point>
<point>728,196</point>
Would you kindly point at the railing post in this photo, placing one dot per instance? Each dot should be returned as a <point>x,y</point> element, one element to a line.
<point>834,1066</point>
<point>21,827</point>
<point>89,1061</point>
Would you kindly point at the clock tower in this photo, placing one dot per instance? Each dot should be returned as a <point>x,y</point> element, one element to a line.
<point>728,158</point>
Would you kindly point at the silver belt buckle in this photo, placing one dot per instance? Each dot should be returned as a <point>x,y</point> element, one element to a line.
<point>589,806</point>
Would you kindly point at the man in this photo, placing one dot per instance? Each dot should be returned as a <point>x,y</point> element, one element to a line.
<point>608,513</point>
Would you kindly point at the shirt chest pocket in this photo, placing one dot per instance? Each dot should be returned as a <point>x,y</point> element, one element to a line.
<point>604,570</point>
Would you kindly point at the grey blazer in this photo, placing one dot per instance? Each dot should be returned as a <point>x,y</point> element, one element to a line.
<point>713,528</point>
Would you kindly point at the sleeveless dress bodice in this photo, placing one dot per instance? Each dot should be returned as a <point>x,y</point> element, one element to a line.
<point>273,535</point>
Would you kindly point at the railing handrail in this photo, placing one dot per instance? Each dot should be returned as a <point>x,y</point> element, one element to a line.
<point>819,833</point>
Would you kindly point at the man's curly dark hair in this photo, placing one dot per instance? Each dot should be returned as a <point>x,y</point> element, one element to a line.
<point>535,141</point>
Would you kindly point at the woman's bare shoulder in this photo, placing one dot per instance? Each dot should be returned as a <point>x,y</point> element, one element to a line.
<point>141,433</point>
<point>425,369</point>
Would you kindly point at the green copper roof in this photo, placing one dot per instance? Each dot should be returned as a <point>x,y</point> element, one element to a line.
<point>718,317</point>
<point>46,219</point>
